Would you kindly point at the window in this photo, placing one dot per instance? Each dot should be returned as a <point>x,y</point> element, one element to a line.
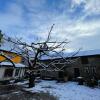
<point>90,69</point>
<point>8,72</point>
<point>84,60</point>
<point>17,72</point>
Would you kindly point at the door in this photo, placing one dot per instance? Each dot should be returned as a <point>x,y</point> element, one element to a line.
<point>76,72</point>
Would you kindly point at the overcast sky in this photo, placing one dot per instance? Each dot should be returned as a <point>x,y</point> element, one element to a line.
<point>77,20</point>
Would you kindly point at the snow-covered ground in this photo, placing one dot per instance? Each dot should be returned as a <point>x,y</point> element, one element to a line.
<point>67,91</point>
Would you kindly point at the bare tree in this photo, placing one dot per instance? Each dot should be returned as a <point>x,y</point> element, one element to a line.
<point>48,48</point>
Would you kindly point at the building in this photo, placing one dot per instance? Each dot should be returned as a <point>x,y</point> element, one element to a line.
<point>8,72</point>
<point>12,69</point>
<point>85,64</point>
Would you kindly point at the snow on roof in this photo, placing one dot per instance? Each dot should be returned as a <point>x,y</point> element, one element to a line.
<point>20,65</point>
<point>10,64</point>
<point>85,53</point>
<point>5,63</point>
<point>79,54</point>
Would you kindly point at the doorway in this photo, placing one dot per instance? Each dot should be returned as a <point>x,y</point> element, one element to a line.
<point>76,72</point>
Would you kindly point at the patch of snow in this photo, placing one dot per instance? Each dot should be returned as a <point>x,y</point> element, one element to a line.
<point>79,77</point>
<point>22,83</point>
<point>67,91</point>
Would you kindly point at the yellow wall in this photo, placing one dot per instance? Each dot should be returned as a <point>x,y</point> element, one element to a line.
<point>14,57</point>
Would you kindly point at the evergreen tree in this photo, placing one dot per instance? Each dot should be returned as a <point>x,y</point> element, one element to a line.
<point>1,36</point>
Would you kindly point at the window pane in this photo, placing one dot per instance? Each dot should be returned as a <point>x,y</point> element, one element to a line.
<point>16,72</point>
<point>8,72</point>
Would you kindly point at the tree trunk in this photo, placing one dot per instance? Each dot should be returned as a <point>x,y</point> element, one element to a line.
<point>31,75</point>
<point>31,80</point>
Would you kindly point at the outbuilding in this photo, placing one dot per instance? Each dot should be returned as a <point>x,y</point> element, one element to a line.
<point>9,72</point>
